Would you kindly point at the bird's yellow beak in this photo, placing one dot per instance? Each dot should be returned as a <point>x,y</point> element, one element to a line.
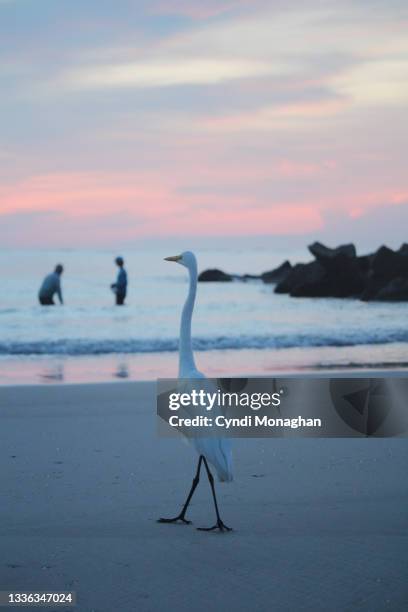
<point>173,258</point>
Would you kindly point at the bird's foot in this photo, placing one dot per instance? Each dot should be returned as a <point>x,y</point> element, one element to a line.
<point>176,519</point>
<point>219,525</point>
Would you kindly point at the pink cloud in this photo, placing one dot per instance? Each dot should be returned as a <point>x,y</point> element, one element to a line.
<point>290,169</point>
<point>197,197</point>
<point>91,193</point>
<point>399,197</point>
<point>96,208</point>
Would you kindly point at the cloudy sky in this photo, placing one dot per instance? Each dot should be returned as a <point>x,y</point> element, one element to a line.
<point>133,119</point>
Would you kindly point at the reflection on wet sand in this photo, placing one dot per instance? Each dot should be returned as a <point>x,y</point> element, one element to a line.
<point>122,370</point>
<point>53,373</point>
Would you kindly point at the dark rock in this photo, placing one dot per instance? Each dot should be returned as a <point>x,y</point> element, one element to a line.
<point>396,290</point>
<point>301,279</point>
<point>338,277</point>
<point>351,280</point>
<point>344,276</point>
<point>403,250</point>
<point>383,262</point>
<point>293,278</point>
<point>344,272</point>
<point>390,264</point>
<point>278,274</point>
<point>372,286</point>
<point>338,272</point>
<point>364,263</point>
<point>386,266</point>
<point>214,275</point>
<point>324,253</point>
<point>311,281</point>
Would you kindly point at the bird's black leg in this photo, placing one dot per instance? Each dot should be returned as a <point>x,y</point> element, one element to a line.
<point>219,524</point>
<point>181,516</point>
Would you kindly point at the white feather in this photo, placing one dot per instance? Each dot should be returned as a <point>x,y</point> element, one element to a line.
<point>216,450</point>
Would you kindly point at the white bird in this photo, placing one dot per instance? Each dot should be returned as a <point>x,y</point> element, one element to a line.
<point>214,450</point>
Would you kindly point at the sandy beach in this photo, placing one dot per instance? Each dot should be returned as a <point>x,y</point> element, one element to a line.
<point>318,524</point>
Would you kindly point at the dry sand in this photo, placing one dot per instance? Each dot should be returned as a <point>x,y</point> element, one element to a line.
<point>319,524</point>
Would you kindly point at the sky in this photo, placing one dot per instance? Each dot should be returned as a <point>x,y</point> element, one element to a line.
<point>128,121</point>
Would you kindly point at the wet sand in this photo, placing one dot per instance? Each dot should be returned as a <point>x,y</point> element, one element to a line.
<point>318,524</point>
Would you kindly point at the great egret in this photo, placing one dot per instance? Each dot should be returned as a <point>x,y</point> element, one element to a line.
<point>214,450</point>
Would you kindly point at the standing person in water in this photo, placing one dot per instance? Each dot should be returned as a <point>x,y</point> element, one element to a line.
<point>51,285</point>
<point>120,287</point>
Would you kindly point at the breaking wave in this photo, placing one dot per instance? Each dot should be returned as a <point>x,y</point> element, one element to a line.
<point>76,347</point>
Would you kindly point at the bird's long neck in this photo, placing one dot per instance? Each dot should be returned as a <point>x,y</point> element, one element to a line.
<point>186,356</point>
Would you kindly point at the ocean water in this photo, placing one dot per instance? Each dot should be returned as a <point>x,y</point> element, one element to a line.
<point>237,327</point>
